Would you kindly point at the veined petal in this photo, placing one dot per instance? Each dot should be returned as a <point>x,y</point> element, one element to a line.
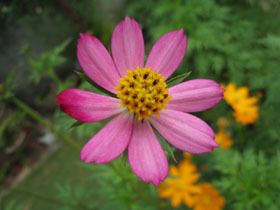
<point>128,45</point>
<point>110,141</point>
<point>168,53</point>
<point>185,131</point>
<point>86,106</point>
<point>195,95</point>
<point>146,157</point>
<point>97,62</point>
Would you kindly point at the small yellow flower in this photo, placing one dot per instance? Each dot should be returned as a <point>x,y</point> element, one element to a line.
<point>208,198</point>
<point>246,114</point>
<point>246,109</point>
<point>181,186</point>
<point>223,139</point>
<point>232,94</point>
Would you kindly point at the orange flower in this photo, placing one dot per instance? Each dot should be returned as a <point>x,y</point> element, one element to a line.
<point>181,186</point>
<point>246,110</point>
<point>232,94</point>
<point>223,139</point>
<point>246,114</point>
<point>208,198</point>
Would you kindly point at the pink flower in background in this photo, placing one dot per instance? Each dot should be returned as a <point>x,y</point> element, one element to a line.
<point>143,102</point>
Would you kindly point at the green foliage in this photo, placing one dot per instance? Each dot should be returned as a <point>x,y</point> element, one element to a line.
<point>46,63</point>
<point>248,180</point>
<point>117,188</point>
<point>10,206</point>
<point>78,196</point>
<point>178,79</point>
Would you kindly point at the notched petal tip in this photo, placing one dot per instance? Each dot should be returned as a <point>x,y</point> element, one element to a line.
<point>128,21</point>
<point>58,102</point>
<point>181,32</point>
<point>62,97</point>
<point>214,144</point>
<point>155,181</point>
<point>127,18</point>
<point>222,91</point>
<point>87,39</point>
<point>59,97</point>
<point>83,156</point>
<point>84,36</point>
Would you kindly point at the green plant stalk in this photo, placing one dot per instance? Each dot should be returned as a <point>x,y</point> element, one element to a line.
<point>135,188</point>
<point>54,77</point>
<point>37,117</point>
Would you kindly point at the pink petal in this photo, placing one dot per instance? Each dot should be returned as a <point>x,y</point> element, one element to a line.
<point>195,95</point>
<point>86,106</point>
<point>145,154</point>
<point>97,62</point>
<point>110,141</point>
<point>168,52</point>
<point>128,45</point>
<point>185,131</point>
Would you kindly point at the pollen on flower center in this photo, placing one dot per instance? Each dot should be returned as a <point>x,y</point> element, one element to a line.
<point>143,91</point>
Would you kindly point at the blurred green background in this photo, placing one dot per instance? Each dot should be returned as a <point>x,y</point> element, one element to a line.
<point>228,41</point>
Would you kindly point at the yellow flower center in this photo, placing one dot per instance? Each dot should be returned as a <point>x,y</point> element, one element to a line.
<point>143,91</point>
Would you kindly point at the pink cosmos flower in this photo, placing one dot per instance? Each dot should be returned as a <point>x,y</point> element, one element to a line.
<point>143,102</point>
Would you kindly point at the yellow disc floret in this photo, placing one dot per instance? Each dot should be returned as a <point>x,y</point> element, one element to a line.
<point>143,91</point>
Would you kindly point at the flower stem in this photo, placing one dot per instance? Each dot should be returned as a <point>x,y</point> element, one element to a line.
<point>40,119</point>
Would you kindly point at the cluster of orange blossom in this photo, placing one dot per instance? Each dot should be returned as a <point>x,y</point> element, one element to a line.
<point>246,109</point>
<point>182,186</point>
<point>223,137</point>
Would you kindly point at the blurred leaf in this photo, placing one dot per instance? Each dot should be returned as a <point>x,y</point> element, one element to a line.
<point>166,147</point>
<point>12,206</point>
<point>101,89</point>
<point>46,63</point>
<point>249,179</point>
<point>178,79</point>
<point>76,124</point>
